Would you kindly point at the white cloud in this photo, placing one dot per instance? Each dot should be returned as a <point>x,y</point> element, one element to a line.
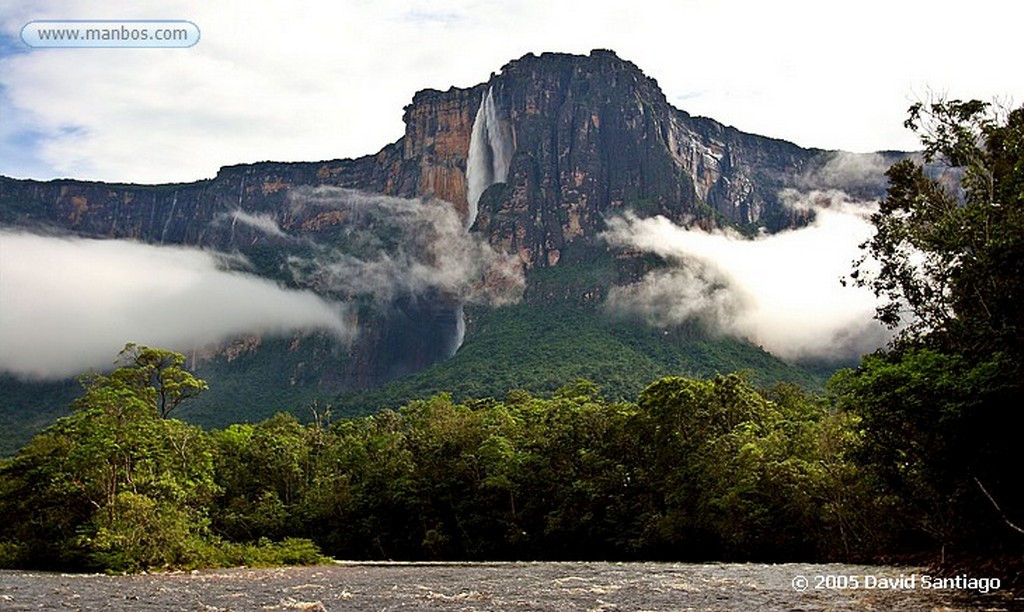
<point>849,171</point>
<point>403,247</point>
<point>781,291</point>
<point>70,304</point>
<point>316,80</point>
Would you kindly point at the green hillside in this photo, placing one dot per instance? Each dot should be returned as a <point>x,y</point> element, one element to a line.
<point>27,407</point>
<point>537,349</point>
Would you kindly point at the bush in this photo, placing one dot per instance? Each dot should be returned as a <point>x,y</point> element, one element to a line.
<point>136,533</point>
<point>264,553</point>
<point>10,555</point>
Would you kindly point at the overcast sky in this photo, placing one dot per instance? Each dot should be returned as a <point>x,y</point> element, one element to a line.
<point>302,80</point>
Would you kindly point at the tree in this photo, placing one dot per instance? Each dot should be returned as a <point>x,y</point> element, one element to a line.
<point>929,419</point>
<point>947,257</point>
<point>154,375</point>
<point>113,484</point>
<point>264,472</point>
<point>940,410</point>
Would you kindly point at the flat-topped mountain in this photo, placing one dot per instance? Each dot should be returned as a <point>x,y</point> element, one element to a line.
<point>528,166</point>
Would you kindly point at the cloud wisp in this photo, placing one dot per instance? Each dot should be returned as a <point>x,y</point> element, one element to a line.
<point>262,223</point>
<point>848,172</point>
<point>69,304</point>
<point>389,246</point>
<point>781,291</point>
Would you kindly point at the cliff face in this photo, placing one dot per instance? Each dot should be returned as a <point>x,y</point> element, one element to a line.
<point>592,136</point>
<point>588,137</point>
<point>438,127</point>
<point>179,213</point>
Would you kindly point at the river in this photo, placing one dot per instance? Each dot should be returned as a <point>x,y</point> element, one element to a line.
<point>508,586</point>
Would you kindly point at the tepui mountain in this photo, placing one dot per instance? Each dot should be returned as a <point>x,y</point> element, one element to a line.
<point>489,214</point>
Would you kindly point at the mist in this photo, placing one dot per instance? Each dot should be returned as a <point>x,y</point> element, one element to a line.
<point>390,247</point>
<point>70,304</point>
<point>848,172</point>
<point>781,291</point>
<point>262,222</point>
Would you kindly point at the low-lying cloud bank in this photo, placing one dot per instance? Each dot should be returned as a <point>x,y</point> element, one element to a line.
<point>781,291</point>
<point>70,304</point>
<point>848,172</point>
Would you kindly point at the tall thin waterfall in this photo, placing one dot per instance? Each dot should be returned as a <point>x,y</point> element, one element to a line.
<point>490,151</point>
<point>460,328</point>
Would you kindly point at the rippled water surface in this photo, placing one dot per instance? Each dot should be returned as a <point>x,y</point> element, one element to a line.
<point>498,586</point>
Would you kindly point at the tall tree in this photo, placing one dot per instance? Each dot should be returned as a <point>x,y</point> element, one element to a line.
<point>153,375</point>
<point>940,411</point>
<point>113,485</point>
<point>947,258</point>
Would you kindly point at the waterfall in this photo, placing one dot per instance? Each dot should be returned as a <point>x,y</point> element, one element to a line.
<point>460,327</point>
<point>170,217</point>
<point>490,151</point>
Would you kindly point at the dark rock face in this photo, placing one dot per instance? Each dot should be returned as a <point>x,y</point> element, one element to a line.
<point>594,136</point>
<point>591,136</point>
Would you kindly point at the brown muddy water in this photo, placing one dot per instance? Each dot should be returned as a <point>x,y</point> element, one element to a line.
<point>509,586</point>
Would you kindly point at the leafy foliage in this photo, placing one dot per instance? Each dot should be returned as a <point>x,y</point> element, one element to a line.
<point>949,264</point>
<point>928,433</point>
<point>114,485</point>
<point>940,409</point>
<point>695,469</point>
<point>154,375</point>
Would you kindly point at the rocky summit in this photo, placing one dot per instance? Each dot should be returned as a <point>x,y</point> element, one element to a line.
<point>530,165</point>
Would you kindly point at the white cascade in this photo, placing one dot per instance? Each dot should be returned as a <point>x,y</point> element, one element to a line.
<point>490,151</point>
<point>460,328</point>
